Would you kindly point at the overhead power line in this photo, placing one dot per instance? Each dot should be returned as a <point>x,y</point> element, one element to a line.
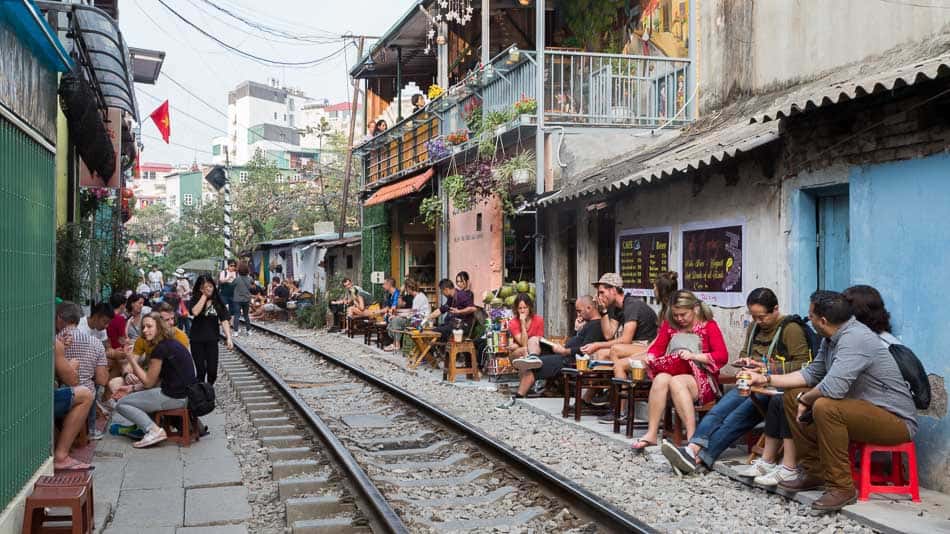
<point>248,55</point>
<point>196,149</point>
<point>326,36</point>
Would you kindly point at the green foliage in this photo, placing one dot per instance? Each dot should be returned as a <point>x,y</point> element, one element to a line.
<point>591,22</point>
<point>431,211</point>
<point>375,253</point>
<point>313,317</point>
<point>69,262</point>
<point>455,189</point>
<point>523,161</point>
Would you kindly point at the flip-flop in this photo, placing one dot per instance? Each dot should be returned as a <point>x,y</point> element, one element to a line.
<point>641,448</point>
<point>74,465</point>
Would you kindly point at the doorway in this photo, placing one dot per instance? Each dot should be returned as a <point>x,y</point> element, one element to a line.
<point>833,241</point>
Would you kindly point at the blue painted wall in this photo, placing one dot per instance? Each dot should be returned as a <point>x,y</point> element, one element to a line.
<point>900,244</point>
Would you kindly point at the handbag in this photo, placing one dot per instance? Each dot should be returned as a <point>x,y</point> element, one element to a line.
<point>200,398</point>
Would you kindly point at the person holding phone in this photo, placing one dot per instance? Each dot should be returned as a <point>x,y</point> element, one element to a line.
<point>781,343</point>
<point>852,391</point>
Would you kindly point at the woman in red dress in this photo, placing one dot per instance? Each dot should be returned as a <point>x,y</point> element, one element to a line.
<point>684,363</point>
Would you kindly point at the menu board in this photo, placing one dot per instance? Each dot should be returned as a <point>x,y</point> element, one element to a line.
<point>711,263</point>
<point>642,255</point>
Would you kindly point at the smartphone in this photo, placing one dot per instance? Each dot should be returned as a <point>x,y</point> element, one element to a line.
<point>807,417</point>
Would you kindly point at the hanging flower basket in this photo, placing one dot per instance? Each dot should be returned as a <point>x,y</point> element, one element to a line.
<point>437,149</point>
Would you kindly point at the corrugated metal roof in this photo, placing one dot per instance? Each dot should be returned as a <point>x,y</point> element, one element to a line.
<point>399,189</point>
<point>329,236</point>
<point>855,81</point>
<point>690,150</point>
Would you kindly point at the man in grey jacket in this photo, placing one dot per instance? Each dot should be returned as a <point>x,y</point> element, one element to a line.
<point>853,391</point>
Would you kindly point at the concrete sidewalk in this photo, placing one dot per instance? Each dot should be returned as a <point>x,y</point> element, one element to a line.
<point>168,489</point>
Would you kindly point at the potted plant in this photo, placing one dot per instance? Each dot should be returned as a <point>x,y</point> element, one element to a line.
<point>519,169</point>
<point>437,149</point>
<point>457,137</point>
<point>430,209</point>
<point>526,108</point>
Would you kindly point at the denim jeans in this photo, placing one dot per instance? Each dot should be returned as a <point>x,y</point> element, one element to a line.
<point>137,406</point>
<point>733,416</point>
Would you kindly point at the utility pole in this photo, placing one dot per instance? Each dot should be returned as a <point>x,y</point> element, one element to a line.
<point>227,205</point>
<point>348,168</point>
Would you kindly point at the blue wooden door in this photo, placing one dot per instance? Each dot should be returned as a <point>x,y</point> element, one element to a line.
<point>834,242</point>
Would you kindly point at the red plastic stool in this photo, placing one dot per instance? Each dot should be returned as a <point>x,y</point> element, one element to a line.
<point>72,479</point>
<point>868,481</point>
<point>45,497</point>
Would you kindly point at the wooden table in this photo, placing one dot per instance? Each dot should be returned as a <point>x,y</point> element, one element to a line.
<point>422,342</point>
<point>575,382</point>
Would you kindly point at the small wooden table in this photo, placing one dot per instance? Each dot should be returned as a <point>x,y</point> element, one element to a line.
<point>422,342</point>
<point>575,382</point>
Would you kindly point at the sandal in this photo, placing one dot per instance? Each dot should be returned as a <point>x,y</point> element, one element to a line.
<point>73,464</point>
<point>641,444</point>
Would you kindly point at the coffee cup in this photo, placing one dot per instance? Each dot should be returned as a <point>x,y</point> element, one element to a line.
<point>457,335</point>
<point>638,370</point>
<point>582,362</point>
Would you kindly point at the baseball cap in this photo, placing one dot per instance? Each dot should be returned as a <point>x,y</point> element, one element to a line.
<point>610,279</point>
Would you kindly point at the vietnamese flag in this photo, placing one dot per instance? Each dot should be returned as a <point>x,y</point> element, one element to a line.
<point>162,122</point>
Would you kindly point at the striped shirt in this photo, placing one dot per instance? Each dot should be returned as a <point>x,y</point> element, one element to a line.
<point>88,350</point>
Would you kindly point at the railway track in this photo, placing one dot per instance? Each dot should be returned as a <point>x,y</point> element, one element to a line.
<point>352,452</point>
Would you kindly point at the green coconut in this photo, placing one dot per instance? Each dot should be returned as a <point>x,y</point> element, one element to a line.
<point>510,301</point>
<point>523,287</point>
<point>497,302</point>
<point>506,291</point>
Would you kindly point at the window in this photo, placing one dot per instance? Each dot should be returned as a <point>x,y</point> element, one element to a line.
<point>285,117</point>
<point>297,177</point>
<point>242,177</point>
<point>280,178</point>
<point>478,222</point>
<point>275,115</point>
<point>188,199</point>
<point>349,261</point>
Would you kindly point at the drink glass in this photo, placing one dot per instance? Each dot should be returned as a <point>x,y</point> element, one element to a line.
<point>637,370</point>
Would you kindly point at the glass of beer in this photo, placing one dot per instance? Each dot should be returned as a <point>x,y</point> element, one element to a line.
<point>582,362</point>
<point>638,370</point>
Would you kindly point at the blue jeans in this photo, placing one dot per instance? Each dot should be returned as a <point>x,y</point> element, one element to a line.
<point>733,416</point>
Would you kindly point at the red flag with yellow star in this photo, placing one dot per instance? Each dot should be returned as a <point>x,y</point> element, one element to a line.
<point>162,122</point>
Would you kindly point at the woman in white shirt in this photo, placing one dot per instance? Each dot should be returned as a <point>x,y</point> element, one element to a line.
<point>406,317</point>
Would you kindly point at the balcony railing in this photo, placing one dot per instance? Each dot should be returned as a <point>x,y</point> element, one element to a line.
<point>580,89</point>
<point>401,148</point>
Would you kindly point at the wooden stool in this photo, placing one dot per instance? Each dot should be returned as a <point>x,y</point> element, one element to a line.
<point>455,349</point>
<point>69,479</point>
<point>672,424</point>
<point>73,497</point>
<point>621,388</point>
<point>575,382</point>
<point>186,431</point>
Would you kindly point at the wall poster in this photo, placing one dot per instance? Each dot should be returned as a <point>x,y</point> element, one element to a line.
<point>642,254</point>
<point>711,259</point>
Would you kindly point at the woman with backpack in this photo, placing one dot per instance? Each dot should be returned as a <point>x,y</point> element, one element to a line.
<point>209,313</point>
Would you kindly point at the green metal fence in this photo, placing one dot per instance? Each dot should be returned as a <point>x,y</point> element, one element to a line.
<point>27,245</point>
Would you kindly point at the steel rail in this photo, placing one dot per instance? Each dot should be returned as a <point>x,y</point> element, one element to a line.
<point>600,510</point>
<point>384,515</point>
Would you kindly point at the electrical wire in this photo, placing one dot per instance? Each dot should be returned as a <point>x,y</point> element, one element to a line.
<point>326,38</point>
<point>248,55</point>
<point>183,112</point>
<point>196,149</point>
<point>196,97</point>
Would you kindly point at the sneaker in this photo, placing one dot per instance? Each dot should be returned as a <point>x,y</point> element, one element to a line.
<point>527,363</point>
<point>756,469</point>
<point>235,333</point>
<point>776,476</point>
<point>96,435</point>
<point>601,399</point>
<point>507,404</point>
<point>682,461</point>
<point>151,438</point>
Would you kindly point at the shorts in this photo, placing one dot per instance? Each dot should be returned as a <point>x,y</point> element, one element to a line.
<point>551,365</point>
<point>62,402</point>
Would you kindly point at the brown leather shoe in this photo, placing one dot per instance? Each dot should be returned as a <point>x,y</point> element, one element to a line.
<point>835,500</point>
<point>803,482</point>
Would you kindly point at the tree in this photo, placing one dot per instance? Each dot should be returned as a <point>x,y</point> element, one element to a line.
<point>150,224</point>
<point>198,234</point>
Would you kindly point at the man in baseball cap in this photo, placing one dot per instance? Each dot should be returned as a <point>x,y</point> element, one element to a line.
<point>626,320</point>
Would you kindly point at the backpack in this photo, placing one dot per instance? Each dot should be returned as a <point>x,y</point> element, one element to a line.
<point>778,345</point>
<point>913,372</point>
<point>200,398</point>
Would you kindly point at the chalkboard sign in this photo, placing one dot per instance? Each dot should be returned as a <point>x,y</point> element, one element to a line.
<point>642,255</point>
<point>712,263</point>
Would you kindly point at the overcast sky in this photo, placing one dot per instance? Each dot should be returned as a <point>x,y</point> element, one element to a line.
<point>210,71</point>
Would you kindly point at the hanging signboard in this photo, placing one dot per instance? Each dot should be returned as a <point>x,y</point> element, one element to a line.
<point>711,261</point>
<point>642,255</point>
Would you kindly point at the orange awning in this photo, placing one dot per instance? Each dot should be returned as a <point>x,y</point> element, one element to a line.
<point>399,189</point>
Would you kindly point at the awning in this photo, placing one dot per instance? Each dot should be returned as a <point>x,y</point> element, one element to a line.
<point>899,67</point>
<point>399,189</point>
<point>99,41</point>
<point>35,33</point>
<point>691,150</point>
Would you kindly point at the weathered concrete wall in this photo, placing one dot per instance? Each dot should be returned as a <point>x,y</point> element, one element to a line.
<point>753,46</point>
<point>477,251</point>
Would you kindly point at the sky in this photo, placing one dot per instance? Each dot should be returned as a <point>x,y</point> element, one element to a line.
<point>209,70</point>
